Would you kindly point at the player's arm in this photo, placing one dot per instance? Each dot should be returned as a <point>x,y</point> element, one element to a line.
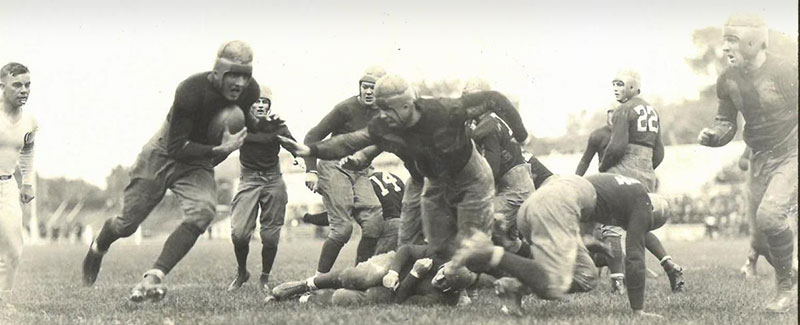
<point>724,127</point>
<point>618,141</point>
<point>25,165</point>
<point>638,226</point>
<point>334,120</point>
<point>419,270</point>
<point>341,145</point>
<point>588,155</point>
<point>181,123</point>
<point>487,138</point>
<point>361,159</point>
<point>658,151</point>
<point>744,160</point>
<point>478,103</point>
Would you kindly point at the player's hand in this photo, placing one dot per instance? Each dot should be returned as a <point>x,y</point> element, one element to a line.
<point>274,117</point>
<point>643,314</point>
<point>475,252</point>
<point>26,193</point>
<point>232,141</point>
<point>391,280</point>
<point>422,266</point>
<point>312,181</point>
<point>356,161</point>
<point>706,136</point>
<point>298,149</point>
<point>597,246</point>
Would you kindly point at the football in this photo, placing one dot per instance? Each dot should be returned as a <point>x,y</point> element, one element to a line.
<point>230,116</point>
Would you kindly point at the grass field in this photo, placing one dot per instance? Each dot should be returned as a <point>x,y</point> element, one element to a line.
<point>48,291</point>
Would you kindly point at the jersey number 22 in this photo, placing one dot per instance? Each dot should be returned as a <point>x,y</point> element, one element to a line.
<point>648,119</point>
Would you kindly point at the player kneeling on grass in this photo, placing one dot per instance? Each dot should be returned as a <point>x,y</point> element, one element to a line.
<point>549,220</point>
<point>386,278</point>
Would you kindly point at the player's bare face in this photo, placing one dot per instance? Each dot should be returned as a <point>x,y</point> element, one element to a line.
<point>16,89</point>
<point>260,108</point>
<point>233,84</point>
<point>619,91</point>
<point>731,51</point>
<point>367,92</point>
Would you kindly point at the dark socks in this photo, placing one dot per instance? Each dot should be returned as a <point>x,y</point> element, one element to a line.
<point>106,237</point>
<point>267,258</point>
<point>781,247</point>
<point>366,248</point>
<point>328,281</point>
<point>177,245</point>
<point>330,251</point>
<point>241,249</point>
<point>654,246</point>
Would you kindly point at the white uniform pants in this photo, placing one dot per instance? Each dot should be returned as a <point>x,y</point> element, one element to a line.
<point>10,234</point>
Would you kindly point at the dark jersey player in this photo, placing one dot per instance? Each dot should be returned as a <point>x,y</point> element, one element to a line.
<point>598,141</point>
<point>181,157</point>
<point>346,194</point>
<point>430,136</point>
<point>389,189</point>
<point>763,87</point>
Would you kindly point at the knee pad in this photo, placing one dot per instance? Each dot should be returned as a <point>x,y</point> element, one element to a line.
<point>122,228</point>
<point>341,233</point>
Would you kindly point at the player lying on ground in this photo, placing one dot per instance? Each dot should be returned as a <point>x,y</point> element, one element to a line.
<point>406,277</point>
<point>549,220</point>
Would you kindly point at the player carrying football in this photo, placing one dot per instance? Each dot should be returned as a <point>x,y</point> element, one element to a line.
<point>763,87</point>
<point>181,157</point>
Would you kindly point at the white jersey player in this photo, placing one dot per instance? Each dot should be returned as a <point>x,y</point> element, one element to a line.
<point>17,129</point>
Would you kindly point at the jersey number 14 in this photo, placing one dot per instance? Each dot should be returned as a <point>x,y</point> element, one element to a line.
<point>388,179</point>
<point>648,119</point>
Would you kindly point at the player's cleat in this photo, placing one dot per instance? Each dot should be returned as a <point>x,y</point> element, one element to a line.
<point>618,286</point>
<point>510,292</point>
<point>675,276</point>
<point>240,279</point>
<point>150,288</point>
<point>749,270</point>
<point>290,289</point>
<point>91,265</point>
<point>269,299</point>
<point>783,302</point>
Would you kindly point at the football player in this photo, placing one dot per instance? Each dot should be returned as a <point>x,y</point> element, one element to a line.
<point>389,189</point>
<point>598,141</point>
<point>635,150</point>
<point>346,193</point>
<point>262,192</point>
<point>431,137</point>
<point>549,220</point>
<point>16,149</point>
<point>512,175</point>
<point>181,157</point>
<point>763,87</point>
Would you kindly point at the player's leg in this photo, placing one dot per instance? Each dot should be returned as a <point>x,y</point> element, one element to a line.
<point>10,237</point>
<point>584,277</point>
<point>196,190</point>
<point>369,214</point>
<point>273,212</point>
<point>291,289</point>
<point>367,274</point>
<point>471,192</point>
<point>513,189</point>
<point>244,211</point>
<point>438,219</point>
<point>145,190</point>
<point>411,214</point>
<point>673,270</point>
<point>616,264</point>
<point>779,174</point>
<point>336,189</point>
<point>389,236</point>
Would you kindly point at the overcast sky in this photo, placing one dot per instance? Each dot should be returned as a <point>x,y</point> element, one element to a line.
<point>104,72</point>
